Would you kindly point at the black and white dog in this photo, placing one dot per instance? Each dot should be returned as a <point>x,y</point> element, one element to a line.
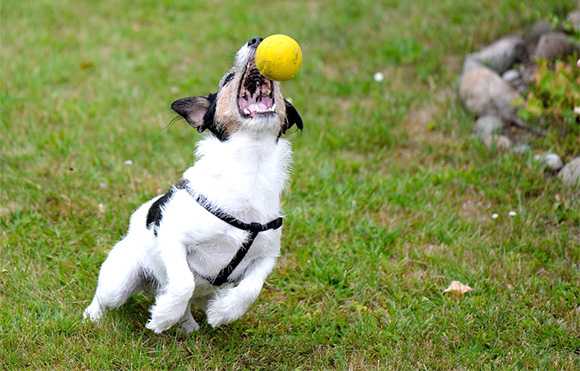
<point>212,240</point>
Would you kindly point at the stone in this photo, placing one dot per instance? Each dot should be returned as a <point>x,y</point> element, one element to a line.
<point>511,75</point>
<point>574,18</point>
<point>483,92</point>
<point>549,161</point>
<point>553,45</point>
<point>500,55</point>
<point>538,29</point>
<point>488,125</point>
<point>570,174</point>
<point>500,142</point>
<point>471,63</point>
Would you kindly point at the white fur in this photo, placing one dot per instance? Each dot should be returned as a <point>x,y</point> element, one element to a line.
<point>244,176</point>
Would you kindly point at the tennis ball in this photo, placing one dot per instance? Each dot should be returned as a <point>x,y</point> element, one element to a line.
<point>279,57</point>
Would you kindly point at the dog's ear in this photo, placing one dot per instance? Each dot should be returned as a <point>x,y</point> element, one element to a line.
<point>196,110</point>
<point>292,117</point>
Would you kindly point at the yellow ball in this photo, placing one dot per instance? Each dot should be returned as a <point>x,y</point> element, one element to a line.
<point>279,57</point>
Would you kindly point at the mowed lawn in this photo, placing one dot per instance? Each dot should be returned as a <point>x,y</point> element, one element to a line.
<point>390,199</point>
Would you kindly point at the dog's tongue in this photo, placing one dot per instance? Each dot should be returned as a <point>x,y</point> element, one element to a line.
<point>255,107</point>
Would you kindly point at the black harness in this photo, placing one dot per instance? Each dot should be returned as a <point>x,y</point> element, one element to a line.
<point>254,228</point>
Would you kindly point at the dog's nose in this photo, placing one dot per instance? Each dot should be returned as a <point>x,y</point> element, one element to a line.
<point>253,43</point>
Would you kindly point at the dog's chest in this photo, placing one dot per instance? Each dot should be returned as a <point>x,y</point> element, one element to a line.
<point>245,180</point>
<point>209,256</point>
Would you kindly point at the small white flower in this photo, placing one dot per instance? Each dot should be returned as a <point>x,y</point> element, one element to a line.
<point>494,216</point>
<point>512,213</point>
<point>174,89</point>
<point>378,77</point>
<point>128,162</point>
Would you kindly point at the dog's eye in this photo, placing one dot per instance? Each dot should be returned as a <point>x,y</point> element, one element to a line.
<point>228,78</point>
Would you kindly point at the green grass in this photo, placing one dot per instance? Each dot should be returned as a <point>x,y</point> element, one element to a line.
<point>390,200</point>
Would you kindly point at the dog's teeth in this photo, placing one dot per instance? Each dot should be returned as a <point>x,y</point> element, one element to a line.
<point>246,111</point>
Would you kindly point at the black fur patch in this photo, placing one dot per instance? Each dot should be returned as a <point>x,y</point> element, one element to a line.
<point>209,119</point>
<point>155,213</point>
<point>292,117</point>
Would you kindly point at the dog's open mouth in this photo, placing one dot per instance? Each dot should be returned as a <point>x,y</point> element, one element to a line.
<point>256,92</point>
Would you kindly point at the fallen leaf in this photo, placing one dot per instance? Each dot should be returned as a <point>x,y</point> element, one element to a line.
<point>457,289</point>
<point>86,64</point>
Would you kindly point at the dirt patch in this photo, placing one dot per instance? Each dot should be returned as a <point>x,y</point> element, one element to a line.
<point>422,117</point>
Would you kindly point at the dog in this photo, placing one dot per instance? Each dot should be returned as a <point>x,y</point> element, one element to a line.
<point>212,240</point>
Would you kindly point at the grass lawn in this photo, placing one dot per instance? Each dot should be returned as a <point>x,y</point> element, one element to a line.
<point>391,199</point>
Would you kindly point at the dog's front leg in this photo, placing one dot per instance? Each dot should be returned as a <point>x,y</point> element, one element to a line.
<point>173,300</point>
<point>230,304</point>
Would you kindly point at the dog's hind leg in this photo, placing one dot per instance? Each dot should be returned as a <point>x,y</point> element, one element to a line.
<point>120,277</point>
<point>188,323</point>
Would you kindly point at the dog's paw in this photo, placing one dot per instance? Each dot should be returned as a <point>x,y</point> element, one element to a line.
<point>217,317</point>
<point>158,325</point>
<point>167,311</point>
<point>188,326</point>
<point>93,313</point>
<point>225,309</point>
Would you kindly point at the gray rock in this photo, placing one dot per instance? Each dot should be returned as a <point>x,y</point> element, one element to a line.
<point>500,142</point>
<point>511,75</point>
<point>471,63</point>
<point>549,161</point>
<point>483,92</point>
<point>553,45</point>
<point>538,29</point>
<point>570,174</point>
<point>574,18</point>
<point>500,55</point>
<point>488,125</point>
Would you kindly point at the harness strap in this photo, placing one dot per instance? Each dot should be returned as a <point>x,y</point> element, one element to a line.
<point>254,228</point>
<point>223,275</point>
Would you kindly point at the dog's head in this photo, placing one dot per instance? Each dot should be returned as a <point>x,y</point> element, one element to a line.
<point>245,101</point>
